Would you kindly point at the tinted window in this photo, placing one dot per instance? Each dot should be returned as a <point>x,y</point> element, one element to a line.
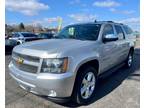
<point>81,32</point>
<point>45,35</point>
<point>28,35</point>
<point>119,32</point>
<point>108,29</point>
<point>15,35</point>
<point>127,30</point>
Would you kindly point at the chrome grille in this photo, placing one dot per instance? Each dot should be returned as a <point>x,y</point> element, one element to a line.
<point>27,67</point>
<point>26,57</point>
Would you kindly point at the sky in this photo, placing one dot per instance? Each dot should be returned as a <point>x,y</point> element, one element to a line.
<point>48,12</point>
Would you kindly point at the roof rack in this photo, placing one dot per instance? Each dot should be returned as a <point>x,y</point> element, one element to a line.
<point>95,21</point>
<point>121,23</point>
<point>110,21</point>
<point>104,21</point>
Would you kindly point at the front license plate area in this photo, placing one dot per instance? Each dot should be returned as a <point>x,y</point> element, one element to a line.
<point>27,88</point>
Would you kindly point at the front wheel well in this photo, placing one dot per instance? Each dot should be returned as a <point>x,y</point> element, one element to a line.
<point>93,63</point>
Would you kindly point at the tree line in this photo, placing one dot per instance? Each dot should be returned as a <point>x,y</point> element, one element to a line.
<point>26,28</point>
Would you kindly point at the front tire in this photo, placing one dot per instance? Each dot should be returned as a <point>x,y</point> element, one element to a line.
<point>85,85</point>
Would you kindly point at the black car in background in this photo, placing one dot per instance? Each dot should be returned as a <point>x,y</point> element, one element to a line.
<point>21,37</point>
<point>17,38</point>
<point>9,45</point>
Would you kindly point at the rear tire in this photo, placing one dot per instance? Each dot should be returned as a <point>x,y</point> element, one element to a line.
<point>129,60</point>
<point>85,85</point>
<point>18,43</point>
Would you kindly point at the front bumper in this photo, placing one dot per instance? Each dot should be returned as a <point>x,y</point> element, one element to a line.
<point>45,84</point>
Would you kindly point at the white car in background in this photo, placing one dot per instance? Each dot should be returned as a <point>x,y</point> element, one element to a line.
<point>22,37</point>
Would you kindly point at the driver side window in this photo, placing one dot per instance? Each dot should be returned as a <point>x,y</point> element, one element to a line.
<point>108,29</point>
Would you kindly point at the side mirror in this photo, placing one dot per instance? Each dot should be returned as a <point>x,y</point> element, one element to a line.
<point>110,37</point>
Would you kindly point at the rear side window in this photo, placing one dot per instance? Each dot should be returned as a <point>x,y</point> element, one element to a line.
<point>108,29</point>
<point>127,30</point>
<point>120,32</point>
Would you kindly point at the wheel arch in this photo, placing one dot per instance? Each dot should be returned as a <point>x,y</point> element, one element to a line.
<point>93,62</point>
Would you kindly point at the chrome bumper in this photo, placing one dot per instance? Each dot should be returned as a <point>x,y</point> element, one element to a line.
<point>46,84</point>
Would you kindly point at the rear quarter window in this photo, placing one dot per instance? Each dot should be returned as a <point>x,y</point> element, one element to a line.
<point>128,30</point>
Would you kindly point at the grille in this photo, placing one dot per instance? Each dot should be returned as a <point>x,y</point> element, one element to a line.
<point>26,57</point>
<point>25,67</point>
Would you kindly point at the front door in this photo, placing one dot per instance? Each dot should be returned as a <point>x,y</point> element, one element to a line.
<point>108,49</point>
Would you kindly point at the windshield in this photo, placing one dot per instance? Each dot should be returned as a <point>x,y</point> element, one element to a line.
<point>80,32</point>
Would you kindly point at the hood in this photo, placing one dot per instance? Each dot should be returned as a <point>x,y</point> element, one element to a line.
<point>53,46</point>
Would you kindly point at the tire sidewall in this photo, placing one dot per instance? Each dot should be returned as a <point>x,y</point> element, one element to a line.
<point>130,53</point>
<point>79,80</point>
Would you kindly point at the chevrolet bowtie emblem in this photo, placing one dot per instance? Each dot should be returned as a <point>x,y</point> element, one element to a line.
<point>20,61</point>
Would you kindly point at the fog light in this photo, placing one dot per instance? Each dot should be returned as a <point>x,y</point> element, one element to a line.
<point>52,93</point>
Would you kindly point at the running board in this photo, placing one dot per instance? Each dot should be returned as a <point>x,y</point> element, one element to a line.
<point>110,71</point>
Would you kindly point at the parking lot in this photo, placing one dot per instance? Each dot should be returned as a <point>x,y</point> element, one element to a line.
<point>120,90</point>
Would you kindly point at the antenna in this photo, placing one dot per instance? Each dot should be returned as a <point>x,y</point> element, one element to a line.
<point>95,21</point>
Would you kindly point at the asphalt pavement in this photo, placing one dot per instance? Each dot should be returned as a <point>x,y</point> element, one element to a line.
<point>120,90</point>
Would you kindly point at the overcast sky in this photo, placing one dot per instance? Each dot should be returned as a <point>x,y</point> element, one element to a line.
<point>47,12</point>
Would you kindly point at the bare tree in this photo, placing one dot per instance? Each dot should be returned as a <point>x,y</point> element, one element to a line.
<point>21,27</point>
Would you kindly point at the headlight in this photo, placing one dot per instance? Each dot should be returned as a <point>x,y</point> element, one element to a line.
<point>54,65</point>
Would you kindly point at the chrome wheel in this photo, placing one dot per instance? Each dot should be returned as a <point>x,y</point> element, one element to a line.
<point>88,85</point>
<point>130,60</point>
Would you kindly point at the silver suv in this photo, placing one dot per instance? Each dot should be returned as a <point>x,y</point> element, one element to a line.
<point>70,64</point>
